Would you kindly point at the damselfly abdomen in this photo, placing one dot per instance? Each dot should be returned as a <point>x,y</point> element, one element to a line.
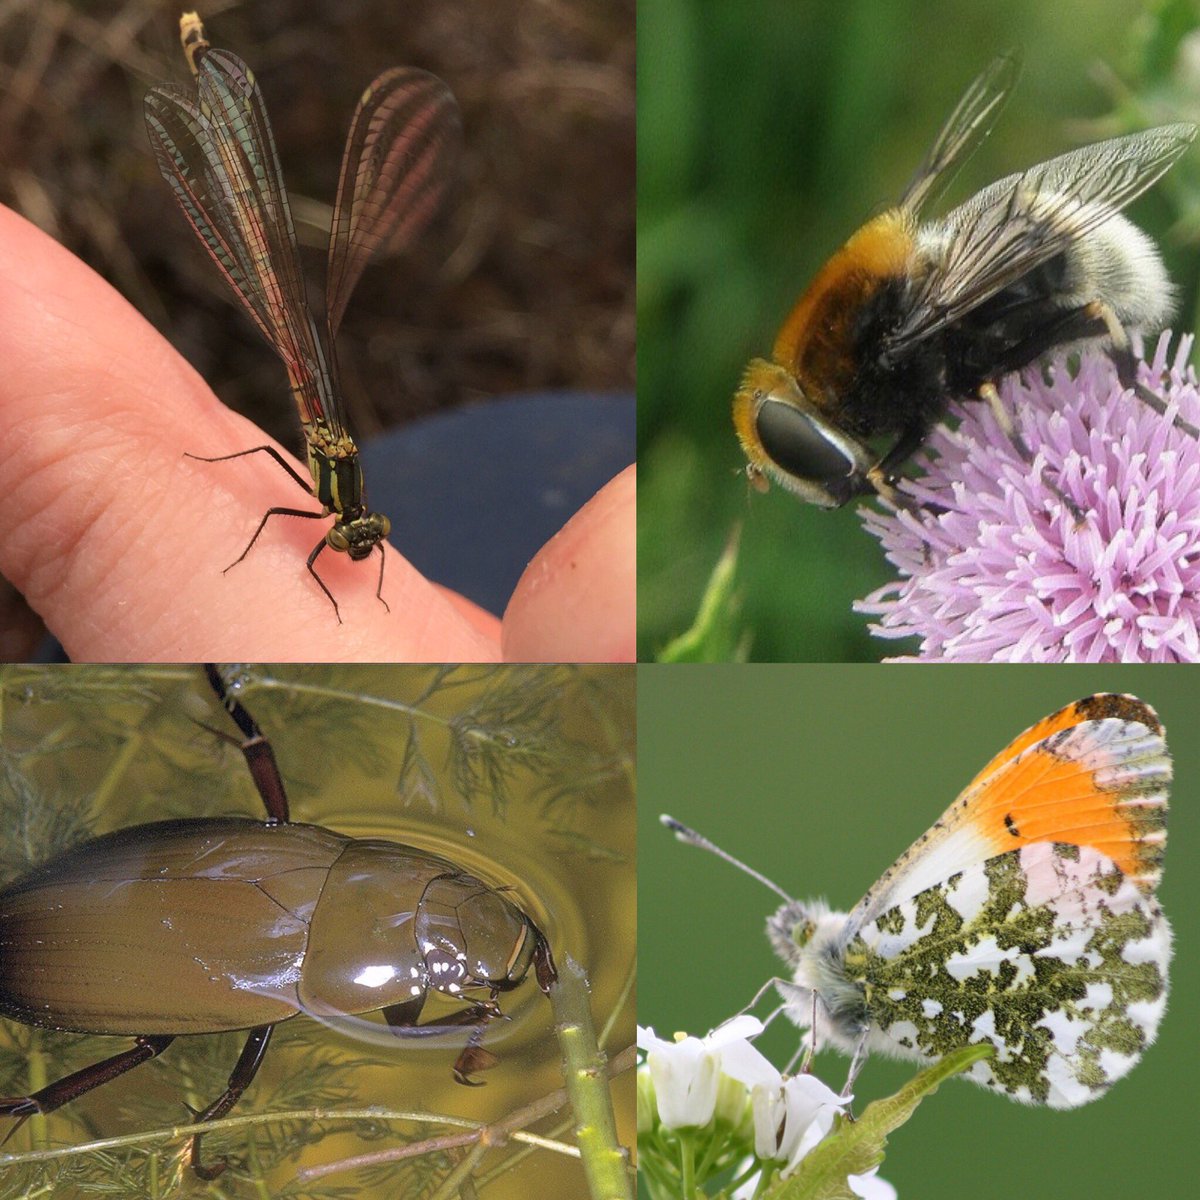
<point>215,148</point>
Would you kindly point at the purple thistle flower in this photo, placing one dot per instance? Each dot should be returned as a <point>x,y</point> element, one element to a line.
<point>1000,569</point>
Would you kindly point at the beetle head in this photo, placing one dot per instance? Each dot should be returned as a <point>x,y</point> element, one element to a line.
<point>473,935</point>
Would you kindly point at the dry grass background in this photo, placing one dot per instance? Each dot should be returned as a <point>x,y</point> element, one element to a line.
<point>527,284</point>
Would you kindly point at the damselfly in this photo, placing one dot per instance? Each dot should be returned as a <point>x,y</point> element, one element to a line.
<point>215,148</point>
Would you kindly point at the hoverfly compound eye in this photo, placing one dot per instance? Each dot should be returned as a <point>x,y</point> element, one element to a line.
<point>787,439</point>
<point>800,444</point>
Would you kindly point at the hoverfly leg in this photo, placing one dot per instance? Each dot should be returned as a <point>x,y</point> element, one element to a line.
<point>885,486</point>
<point>883,483</point>
<point>989,394</point>
<point>1126,365</point>
<point>1098,319</point>
<point>1155,402</point>
<point>883,476</point>
<point>1121,354</point>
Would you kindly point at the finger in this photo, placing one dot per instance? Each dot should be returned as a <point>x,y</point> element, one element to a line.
<point>577,600</point>
<point>484,622</point>
<point>119,541</point>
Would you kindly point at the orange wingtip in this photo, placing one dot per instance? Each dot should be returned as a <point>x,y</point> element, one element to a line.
<point>1093,774</point>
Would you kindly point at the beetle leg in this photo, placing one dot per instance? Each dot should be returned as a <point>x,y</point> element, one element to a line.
<point>56,1094</point>
<point>243,1072</point>
<point>473,1058</point>
<point>543,962</point>
<point>260,758</point>
<point>402,1020</point>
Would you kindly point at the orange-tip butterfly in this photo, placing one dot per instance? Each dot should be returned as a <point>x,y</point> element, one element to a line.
<point>1025,918</point>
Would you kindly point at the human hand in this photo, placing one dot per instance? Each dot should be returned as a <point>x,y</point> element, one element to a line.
<point>119,541</point>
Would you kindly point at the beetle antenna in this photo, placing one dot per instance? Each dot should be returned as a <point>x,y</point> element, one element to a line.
<point>689,837</point>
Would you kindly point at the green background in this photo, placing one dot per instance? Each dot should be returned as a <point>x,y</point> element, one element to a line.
<point>820,777</point>
<point>768,131</point>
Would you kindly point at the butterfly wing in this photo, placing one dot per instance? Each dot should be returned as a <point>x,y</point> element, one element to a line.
<point>1049,952</point>
<point>1093,774</point>
<point>1026,917</point>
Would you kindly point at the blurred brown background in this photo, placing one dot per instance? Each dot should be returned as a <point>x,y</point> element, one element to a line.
<point>525,285</point>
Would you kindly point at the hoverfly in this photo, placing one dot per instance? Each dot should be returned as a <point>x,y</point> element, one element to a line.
<point>910,314</point>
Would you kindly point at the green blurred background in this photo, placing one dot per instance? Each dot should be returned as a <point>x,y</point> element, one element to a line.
<point>820,777</point>
<point>767,132</point>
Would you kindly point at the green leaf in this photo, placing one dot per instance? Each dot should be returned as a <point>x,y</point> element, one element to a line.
<point>854,1147</point>
<point>714,635</point>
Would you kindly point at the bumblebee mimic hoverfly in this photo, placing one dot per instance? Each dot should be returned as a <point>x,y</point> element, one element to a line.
<point>909,315</point>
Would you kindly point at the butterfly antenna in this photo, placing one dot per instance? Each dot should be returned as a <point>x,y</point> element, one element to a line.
<point>689,837</point>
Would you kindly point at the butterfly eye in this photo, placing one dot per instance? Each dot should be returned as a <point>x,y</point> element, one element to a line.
<point>803,932</point>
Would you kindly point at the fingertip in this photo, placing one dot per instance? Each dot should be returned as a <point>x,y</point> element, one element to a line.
<point>577,599</point>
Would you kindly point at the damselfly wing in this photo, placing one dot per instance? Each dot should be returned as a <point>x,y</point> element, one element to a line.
<point>215,148</point>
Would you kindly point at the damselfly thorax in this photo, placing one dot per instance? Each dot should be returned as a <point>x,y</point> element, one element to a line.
<point>215,148</point>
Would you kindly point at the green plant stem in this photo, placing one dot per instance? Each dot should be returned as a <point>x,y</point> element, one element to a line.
<point>687,1167</point>
<point>605,1161</point>
<point>461,1175</point>
<point>510,1128</point>
<point>179,1132</point>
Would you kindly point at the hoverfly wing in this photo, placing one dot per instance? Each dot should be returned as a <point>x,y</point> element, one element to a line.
<point>216,150</point>
<point>965,129</point>
<point>1022,221</point>
<point>400,158</point>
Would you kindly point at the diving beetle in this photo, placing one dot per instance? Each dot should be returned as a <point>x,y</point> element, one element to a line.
<point>252,923</point>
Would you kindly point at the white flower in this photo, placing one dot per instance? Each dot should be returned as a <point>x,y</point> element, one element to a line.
<point>800,1116</point>
<point>871,1187</point>
<point>686,1071</point>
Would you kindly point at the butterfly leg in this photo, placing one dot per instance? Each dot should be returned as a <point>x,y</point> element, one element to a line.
<point>856,1062</point>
